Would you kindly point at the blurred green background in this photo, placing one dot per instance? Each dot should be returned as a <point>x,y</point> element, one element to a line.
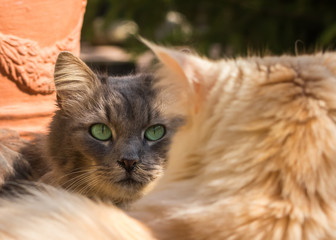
<point>216,28</point>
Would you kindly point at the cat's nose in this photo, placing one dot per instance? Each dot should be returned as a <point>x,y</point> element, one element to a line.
<point>128,164</point>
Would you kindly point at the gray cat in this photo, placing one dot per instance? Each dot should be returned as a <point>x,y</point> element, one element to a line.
<point>109,138</point>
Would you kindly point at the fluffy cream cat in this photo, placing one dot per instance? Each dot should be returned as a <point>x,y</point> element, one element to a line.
<point>256,159</point>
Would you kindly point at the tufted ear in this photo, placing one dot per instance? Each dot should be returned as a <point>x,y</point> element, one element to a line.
<point>73,79</point>
<point>191,73</point>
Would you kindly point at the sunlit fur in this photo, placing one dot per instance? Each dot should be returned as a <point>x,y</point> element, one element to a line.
<point>257,157</point>
<point>62,215</point>
<point>255,160</point>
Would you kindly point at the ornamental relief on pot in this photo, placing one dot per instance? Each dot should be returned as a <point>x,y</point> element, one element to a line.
<point>30,66</point>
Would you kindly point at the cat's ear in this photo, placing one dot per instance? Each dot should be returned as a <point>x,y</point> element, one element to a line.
<point>73,79</point>
<point>190,72</point>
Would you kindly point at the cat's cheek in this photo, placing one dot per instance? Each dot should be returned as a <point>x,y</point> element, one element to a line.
<point>90,147</point>
<point>161,147</point>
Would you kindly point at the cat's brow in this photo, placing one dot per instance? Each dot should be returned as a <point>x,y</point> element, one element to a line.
<point>127,104</point>
<point>108,113</point>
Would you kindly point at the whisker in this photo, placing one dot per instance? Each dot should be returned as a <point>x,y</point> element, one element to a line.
<point>89,187</point>
<point>80,183</point>
<point>78,170</point>
<point>76,180</point>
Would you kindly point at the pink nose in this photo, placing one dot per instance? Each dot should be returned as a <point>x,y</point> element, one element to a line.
<point>128,164</point>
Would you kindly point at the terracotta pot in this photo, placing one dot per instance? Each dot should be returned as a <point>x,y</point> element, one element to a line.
<point>32,33</point>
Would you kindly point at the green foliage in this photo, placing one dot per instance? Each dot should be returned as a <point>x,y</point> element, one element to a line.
<point>233,26</point>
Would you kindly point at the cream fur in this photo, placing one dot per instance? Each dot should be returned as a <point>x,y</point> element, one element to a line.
<point>55,214</point>
<point>256,159</point>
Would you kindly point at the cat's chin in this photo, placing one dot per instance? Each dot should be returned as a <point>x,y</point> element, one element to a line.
<point>130,182</point>
<point>120,193</point>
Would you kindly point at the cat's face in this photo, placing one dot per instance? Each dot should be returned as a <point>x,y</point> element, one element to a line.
<point>109,139</point>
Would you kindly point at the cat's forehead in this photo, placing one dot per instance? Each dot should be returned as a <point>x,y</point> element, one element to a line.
<point>126,99</point>
<point>132,86</point>
<point>132,82</point>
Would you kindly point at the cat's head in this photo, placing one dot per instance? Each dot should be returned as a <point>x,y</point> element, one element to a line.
<point>254,125</point>
<point>110,136</point>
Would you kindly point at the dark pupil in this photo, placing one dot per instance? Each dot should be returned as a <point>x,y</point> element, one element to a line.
<point>156,128</point>
<point>103,128</point>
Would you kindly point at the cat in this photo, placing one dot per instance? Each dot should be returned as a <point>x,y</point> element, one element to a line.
<point>108,139</point>
<point>255,159</point>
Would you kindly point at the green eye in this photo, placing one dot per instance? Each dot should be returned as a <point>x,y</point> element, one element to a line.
<point>155,132</point>
<point>101,132</point>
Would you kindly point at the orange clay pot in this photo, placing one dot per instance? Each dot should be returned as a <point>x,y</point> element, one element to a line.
<point>32,33</point>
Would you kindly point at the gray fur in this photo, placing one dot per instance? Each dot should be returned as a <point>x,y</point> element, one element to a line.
<point>72,158</point>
